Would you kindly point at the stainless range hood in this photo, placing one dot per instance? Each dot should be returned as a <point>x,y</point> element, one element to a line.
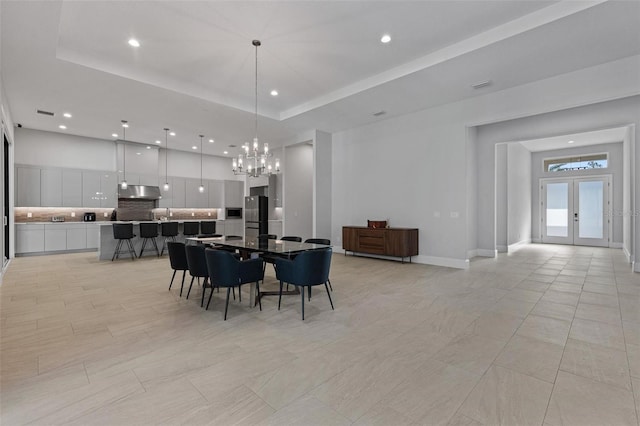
<point>139,192</point>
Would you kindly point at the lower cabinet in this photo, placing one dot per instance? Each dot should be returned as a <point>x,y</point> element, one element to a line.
<point>398,242</point>
<point>234,227</point>
<point>29,238</point>
<point>54,237</point>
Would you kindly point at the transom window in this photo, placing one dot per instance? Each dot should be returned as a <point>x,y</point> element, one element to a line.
<point>582,162</point>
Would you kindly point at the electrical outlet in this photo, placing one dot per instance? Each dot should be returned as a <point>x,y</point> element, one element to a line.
<point>208,213</point>
<point>73,214</point>
<point>29,214</point>
<point>193,214</point>
<point>105,214</point>
<point>170,214</point>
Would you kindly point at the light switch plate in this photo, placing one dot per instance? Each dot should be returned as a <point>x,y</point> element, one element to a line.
<point>193,214</point>
<point>29,214</point>
<point>73,214</point>
<point>105,214</point>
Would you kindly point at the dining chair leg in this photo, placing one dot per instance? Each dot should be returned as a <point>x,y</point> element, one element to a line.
<point>226,306</point>
<point>330,301</point>
<point>182,286</point>
<point>280,295</point>
<point>204,289</point>
<point>172,277</point>
<point>240,292</point>
<point>233,289</point>
<point>330,285</point>
<point>190,285</point>
<point>309,293</point>
<point>302,294</point>
<point>209,301</point>
<point>258,289</point>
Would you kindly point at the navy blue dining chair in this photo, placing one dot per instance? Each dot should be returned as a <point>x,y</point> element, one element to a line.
<point>197,267</point>
<point>309,268</point>
<point>178,261</point>
<point>225,270</point>
<point>324,241</point>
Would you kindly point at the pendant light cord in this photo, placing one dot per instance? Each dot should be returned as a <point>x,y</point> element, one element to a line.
<point>256,43</point>
<point>166,156</point>
<point>124,150</point>
<point>201,136</point>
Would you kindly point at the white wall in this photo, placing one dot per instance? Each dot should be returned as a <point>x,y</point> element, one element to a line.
<point>322,177</point>
<point>502,200</point>
<point>472,198</point>
<point>410,169</point>
<point>187,164</point>
<point>518,194</point>
<point>615,169</point>
<point>298,190</point>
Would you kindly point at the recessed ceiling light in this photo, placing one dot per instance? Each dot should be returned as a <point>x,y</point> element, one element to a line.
<point>148,147</point>
<point>62,126</point>
<point>211,141</point>
<point>194,147</point>
<point>570,141</point>
<point>134,43</point>
<point>274,92</point>
<point>115,135</point>
<point>137,153</point>
<point>158,142</point>
<point>385,38</point>
<point>67,115</point>
<point>172,133</point>
<point>226,152</point>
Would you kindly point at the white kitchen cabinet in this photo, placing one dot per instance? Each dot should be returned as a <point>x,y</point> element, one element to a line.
<point>194,198</point>
<point>71,188</point>
<point>178,192</point>
<point>51,187</point>
<point>27,186</point>
<point>220,227</point>
<point>76,236</point>
<point>109,189</point>
<point>216,194</point>
<point>93,236</point>
<point>29,238</point>
<point>55,237</point>
<point>233,193</point>
<point>91,192</point>
<point>132,178</point>
<point>275,227</point>
<point>233,227</point>
<point>150,180</point>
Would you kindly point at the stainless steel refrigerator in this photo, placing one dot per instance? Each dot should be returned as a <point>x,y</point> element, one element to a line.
<point>256,216</point>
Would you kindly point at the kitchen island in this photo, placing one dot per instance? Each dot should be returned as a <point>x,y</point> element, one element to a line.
<point>107,244</point>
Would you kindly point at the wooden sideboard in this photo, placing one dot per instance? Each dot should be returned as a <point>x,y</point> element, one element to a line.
<point>396,242</point>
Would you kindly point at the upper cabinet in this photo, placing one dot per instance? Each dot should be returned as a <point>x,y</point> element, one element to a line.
<point>195,198</point>
<point>216,194</point>
<point>27,186</point>
<point>233,193</point>
<point>178,189</point>
<point>71,188</point>
<point>109,189</point>
<point>51,187</point>
<point>91,192</point>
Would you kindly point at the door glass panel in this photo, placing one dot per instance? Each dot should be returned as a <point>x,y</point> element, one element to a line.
<point>558,209</point>
<point>591,210</point>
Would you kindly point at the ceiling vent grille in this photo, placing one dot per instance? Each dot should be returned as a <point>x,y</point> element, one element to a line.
<point>379,113</point>
<point>43,112</point>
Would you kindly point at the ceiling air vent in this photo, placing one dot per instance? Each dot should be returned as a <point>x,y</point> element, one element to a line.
<point>43,112</point>
<point>481,84</point>
<point>379,113</point>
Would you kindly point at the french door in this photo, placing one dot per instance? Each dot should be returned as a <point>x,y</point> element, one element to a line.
<point>575,211</point>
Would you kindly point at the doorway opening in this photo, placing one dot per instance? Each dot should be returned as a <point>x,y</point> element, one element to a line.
<point>576,211</point>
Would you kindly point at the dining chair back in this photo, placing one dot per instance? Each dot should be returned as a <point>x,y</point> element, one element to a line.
<point>178,261</point>
<point>225,270</point>
<point>291,238</point>
<point>197,266</point>
<point>309,268</point>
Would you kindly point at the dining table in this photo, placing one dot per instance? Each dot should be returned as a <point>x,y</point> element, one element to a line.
<point>253,246</point>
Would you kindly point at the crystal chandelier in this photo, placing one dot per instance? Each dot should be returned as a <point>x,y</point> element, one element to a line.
<point>255,161</point>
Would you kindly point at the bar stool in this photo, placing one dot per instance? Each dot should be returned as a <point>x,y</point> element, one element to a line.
<point>169,230</point>
<point>149,231</point>
<point>208,229</point>
<point>123,232</point>
<point>190,229</point>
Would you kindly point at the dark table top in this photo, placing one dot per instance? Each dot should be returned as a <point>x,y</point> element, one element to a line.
<point>279,247</point>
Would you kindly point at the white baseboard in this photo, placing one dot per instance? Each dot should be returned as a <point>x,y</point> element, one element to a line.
<point>519,243</point>
<point>502,249</point>
<point>449,262</point>
<point>536,240</point>
<point>487,253</point>
<point>472,253</point>
<point>636,266</point>
<point>627,254</point>
<point>616,245</point>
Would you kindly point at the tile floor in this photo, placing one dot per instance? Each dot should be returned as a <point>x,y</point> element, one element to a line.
<point>544,335</point>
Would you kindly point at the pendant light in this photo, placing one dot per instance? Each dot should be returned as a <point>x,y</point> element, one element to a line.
<point>201,188</point>
<point>166,159</point>
<point>123,185</point>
